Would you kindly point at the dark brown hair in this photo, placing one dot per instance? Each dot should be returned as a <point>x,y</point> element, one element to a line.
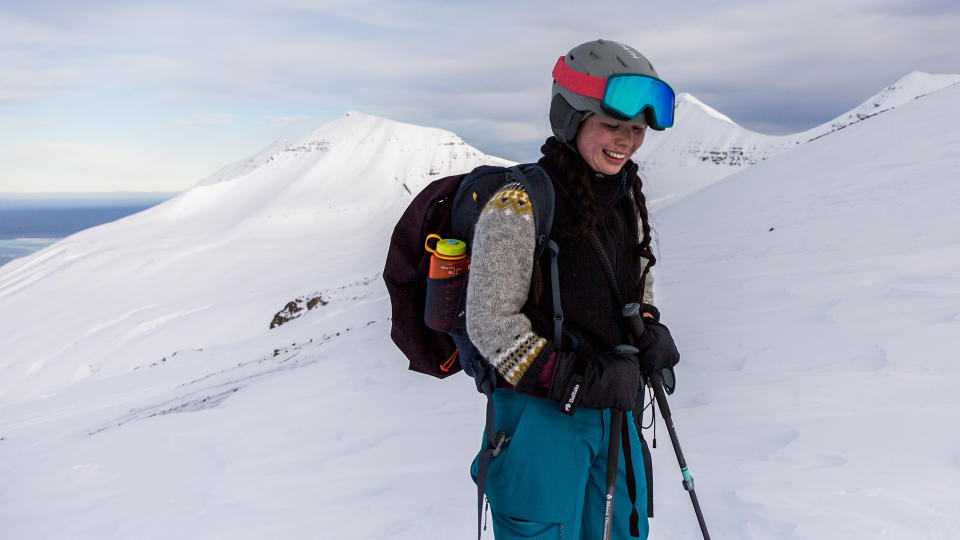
<point>573,179</point>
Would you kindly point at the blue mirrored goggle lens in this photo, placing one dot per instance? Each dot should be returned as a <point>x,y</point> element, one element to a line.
<point>629,95</point>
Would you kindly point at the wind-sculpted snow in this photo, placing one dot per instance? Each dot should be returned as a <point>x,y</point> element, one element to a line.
<point>813,295</point>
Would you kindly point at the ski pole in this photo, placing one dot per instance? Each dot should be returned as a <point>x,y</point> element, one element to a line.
<point>613,458</point>
<point>657,385</point>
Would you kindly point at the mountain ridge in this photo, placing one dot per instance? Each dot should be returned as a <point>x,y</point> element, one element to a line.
<point>705,146</point>
<point>339,192</point>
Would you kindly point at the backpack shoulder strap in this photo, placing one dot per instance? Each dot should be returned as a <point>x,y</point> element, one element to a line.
<point>539,186</point>
<point>481,183</point>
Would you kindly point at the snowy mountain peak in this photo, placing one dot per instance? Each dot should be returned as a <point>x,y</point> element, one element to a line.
<point>688,105</point>
<point>350,123</point>
<point>289,203</point>
<point>361,135</point>
<point>912,86</point>
<point>356,126</point>
<point>705,145</point>
<point>355,162</point>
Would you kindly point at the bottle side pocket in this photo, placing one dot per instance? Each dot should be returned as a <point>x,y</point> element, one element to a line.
<point>445,303</point>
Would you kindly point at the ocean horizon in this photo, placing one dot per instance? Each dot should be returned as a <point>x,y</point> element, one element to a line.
<point>30,222</point>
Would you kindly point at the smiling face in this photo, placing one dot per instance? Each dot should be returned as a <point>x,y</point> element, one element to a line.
<point>606,144</point>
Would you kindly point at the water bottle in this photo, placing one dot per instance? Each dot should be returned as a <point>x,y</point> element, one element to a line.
<point>446,283</point>
<point>449,258</point>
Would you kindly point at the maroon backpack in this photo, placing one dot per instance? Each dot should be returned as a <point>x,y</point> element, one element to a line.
<point>449,207</point>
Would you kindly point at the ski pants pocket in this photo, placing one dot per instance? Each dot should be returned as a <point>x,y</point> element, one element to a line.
<point>512,529</point>
<point>540,475</point>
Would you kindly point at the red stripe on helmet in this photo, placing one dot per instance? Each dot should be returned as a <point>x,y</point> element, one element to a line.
<point>578,83</point>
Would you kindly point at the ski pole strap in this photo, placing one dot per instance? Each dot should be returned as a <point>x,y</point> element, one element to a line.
<point>631,478</point>
<point>647,471</point>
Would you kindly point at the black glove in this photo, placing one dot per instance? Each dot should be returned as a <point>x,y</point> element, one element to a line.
<point>656,346</point>
<point>608,380</point>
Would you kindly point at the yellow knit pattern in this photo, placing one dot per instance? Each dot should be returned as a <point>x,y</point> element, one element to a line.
<point>510,196</point>
<point>513,363</point>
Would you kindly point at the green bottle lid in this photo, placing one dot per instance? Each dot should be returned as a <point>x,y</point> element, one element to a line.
<point>451,247</point>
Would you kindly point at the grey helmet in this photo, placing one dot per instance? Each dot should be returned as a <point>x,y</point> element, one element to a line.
<point>600,58</point>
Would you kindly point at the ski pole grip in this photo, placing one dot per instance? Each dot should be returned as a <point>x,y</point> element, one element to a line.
<point>631,312</point>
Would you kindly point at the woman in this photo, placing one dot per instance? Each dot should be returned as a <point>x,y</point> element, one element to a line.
<point>555,402</point>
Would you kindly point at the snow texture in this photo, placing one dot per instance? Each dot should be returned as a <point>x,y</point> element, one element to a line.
<point>813,294</point>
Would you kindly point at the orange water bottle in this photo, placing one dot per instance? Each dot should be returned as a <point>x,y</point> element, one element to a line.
<point>449,257</point>
<point>446,283</point>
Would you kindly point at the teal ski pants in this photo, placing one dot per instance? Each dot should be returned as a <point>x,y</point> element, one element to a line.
<point>549,481</point>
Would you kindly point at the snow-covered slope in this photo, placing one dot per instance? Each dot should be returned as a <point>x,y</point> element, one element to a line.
<point>704,145</point>
<point>243,167</point>
<point>814,297</point>
<point>210,265</point>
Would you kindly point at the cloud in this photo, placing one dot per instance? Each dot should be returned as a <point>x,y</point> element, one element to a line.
<point>285,121</point>
<point>484,73</point>
<point>918,8</point>
<point>66,166</point>
<point>205,119</point>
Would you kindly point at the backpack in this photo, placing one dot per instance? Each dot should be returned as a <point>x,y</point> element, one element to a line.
<point>450,207</point>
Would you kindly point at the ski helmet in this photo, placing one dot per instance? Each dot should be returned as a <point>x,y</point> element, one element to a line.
<point>600,58</point>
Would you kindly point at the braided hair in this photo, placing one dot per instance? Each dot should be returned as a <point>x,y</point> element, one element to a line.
<point>573,180</point>
<point>646,241</point>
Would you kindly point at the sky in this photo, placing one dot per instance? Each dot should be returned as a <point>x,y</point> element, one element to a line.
<point>154,96</point>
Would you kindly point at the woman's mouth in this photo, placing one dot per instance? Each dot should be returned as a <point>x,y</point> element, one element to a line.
<point>614,155</point>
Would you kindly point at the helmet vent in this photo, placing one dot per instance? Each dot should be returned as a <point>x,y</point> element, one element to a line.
<point>622,63</point>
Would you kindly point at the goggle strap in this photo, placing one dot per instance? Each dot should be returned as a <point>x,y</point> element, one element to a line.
<point>578,83</point>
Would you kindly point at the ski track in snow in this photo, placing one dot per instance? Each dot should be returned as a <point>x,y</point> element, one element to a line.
<point>152,324</point>
<point>126,316</point>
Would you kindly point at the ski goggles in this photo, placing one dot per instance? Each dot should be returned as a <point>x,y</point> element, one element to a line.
<point>625,95</point>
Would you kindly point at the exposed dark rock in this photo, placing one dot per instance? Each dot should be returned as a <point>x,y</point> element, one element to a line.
<point>314,302</point>
<point>297,307</point>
